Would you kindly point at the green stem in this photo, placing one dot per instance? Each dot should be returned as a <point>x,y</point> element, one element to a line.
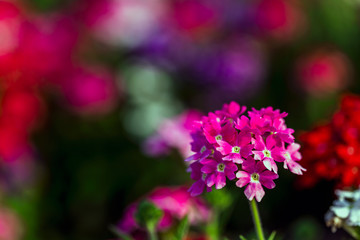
<point>351,231</point>
<point>256,219</point>
<point>152,233</point>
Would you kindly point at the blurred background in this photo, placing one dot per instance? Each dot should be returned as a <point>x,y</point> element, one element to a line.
<point>96,97</point>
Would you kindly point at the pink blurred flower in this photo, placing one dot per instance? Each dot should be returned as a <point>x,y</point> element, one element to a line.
<point>324,72</point>
<point>125,22</point>
<point>11,18</point>
<point>89,91</point>
<point>175,202</point>
<point>196,19</point>
<point>173,133</point>
<point>10,226</point>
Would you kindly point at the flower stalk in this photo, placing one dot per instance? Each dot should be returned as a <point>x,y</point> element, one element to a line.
<point>256,220</point>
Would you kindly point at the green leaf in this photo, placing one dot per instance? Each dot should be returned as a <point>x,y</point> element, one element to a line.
<point>120,233</point>
<point>182,229</point>
<point>242,237</point>
<point>148,215</point>
<point>220,199</point>
<point>272,236</point>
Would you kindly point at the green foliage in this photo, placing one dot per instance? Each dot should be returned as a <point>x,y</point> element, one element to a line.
<point>272,236</point>
<point>220,199</point>
<point>182,229</point>
<point>148,215</point>
<point>242,237</point>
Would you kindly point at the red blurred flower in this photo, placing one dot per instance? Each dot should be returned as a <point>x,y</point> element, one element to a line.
<point>332,151</point>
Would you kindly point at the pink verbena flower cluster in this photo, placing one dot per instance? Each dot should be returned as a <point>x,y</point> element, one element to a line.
<point>231,145</point>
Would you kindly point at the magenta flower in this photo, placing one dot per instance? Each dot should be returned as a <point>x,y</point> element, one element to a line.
<point>216,130</point>
<point>268,152</point>
<point>256,176</point>
<point>232,110</point>
<point>292,155</point>
<point>281,133</point>
<point>217,171</point>
<point>236,149</point>
<point>226,140</point>
<point>252,125</point>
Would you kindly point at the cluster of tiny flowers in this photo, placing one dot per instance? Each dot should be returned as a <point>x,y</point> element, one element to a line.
<point>231,145</point>
<point>345,211</point>
<point>332,151</point>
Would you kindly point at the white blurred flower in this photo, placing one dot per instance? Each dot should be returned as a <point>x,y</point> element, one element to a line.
<point>345,211</point>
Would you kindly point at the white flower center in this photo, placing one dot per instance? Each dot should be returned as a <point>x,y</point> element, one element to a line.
<point>267,153</point>
<point>255,177</point>
<point>221,167</point>
<point>236,149</point>
<point>218,137</point>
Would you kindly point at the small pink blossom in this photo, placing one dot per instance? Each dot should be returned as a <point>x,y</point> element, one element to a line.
<point>216,130</point>
<point>232,110</point>
<point>292,155</point>
<point>268,152</point>
<point>236,149</point>
<point>217,171</point>
<point>256,176</point>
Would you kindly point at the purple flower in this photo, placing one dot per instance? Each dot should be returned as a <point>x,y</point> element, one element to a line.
<point>200,146</point>
<point>198,187</point>
<point>256,176</point>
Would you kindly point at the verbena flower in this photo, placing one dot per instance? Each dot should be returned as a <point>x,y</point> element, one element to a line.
<point>227,140</point>
<point>255,176</point>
